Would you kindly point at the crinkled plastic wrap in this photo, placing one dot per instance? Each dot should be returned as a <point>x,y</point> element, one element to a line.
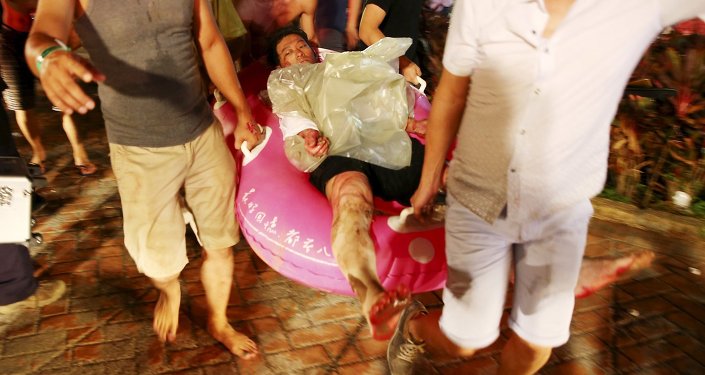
<point>357,100</point>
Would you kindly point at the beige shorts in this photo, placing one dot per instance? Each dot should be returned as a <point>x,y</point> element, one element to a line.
<point>150,180</point>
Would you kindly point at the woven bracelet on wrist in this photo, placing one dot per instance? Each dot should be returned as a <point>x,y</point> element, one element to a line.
<point>48,51</point>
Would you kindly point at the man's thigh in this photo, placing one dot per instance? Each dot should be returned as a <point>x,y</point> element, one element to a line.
<point>547,266</point>
<point>149,181</point>
<point>479,261</point>
<point>210,189</point>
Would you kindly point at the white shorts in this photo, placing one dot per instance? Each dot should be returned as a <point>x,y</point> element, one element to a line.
<point>149,181</point>
<point>547,255</point>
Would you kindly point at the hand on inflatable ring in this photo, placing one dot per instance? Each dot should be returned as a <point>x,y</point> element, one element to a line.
<point>423,198</point>
<point>248,131</point>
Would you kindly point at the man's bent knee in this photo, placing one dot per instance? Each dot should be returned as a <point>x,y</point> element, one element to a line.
<point>222,253</point>
<point>164,281</point>
<point>348,184</point>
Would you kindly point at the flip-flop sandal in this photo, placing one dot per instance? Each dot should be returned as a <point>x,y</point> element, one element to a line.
<point>384,314</point>
<point>39,167</point>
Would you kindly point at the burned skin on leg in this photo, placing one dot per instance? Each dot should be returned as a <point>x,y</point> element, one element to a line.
<point>597,273</point>
<point>351,198</point>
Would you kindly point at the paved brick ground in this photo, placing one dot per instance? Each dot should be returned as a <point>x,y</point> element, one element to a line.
<point>652,323</point>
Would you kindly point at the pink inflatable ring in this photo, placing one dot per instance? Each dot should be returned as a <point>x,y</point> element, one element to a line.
<point>287,221</point>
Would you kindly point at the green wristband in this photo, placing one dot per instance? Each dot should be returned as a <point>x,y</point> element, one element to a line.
<point>48,51</point>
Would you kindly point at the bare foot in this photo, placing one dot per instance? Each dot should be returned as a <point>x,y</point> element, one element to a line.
<point>239,344</point>
<point>596,273</point>
<point>166,313</point>
<point>384,314</point>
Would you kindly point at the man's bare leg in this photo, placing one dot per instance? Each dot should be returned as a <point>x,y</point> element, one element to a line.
<point>80,156</point>
<point>166,313</point>
<point>520,357</point>
<point>426,328</point>
<point>596,273</point>
<point>31,130</point>
<point>350,196</point>
<point>217,278</point>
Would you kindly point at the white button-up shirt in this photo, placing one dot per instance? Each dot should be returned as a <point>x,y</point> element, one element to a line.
<point>534,136</point>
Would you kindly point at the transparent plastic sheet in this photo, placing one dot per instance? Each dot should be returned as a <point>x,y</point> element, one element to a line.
<point>357,100</point>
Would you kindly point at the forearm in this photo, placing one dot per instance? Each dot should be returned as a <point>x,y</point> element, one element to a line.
<point>354,7</point>
<point>53,22</point>
<point>221,71</point>
<point>293,125</point>
<point>370,35</point>
<point>372,18</point>
<point>308,21</point>
<point>443,124</point>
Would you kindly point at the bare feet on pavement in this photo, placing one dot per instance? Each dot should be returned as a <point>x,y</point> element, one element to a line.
<point>166,313</point>
<point>596,273</point>
<point>239,344</point>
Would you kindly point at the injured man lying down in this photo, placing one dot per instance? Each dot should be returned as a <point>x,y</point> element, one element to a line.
<point>346,120</point>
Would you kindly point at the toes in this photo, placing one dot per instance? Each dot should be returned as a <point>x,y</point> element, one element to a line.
<point>160,331</point>
<point>238,343</point>
<point>249,352</point>
<point>247,356</point>
<point>171,337</point>
<point>246,350</point>
<point>643,260</point>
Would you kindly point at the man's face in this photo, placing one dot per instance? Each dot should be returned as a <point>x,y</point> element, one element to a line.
<point>293,49</point>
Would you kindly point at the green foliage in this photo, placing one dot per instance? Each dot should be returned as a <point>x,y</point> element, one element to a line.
<point>658,145</point>
<point>698,209</point>
<point>612,194</point>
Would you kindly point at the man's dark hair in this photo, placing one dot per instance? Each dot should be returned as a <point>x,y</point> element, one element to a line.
<point>278,35</point>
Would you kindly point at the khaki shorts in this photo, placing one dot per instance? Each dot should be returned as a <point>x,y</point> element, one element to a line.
<point>150,180</point>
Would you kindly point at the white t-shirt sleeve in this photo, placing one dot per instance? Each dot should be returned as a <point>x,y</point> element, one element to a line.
<point>293,125</point>
<point>461,50</point>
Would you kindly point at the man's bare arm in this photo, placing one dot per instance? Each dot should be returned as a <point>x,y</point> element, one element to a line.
<point>372,18</point>
<point>59,68</point>
<point>308,19</point>
<point>443,124</point>
<point>370,33</point>
<point>221,71</point>
<point>351,26</point>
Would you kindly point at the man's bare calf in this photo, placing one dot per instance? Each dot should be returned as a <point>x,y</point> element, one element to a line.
<point>351,198</point>
<point>217,278</point>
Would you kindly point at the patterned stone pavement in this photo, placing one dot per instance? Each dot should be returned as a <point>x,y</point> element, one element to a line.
<point>651,323</point>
